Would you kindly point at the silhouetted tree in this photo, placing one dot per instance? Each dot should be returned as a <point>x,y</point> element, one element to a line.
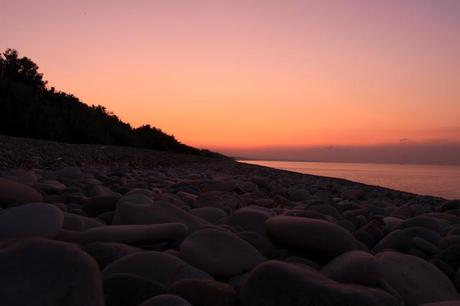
<point>29,109</point>
<point>21,69</point>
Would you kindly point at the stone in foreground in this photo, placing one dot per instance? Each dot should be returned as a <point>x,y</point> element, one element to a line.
<point>416,280</point>
<point>37,219</point>
<point>12,192</point>
<point>156,266</point>
<point>276,283</point>
<point>320,237</point>
<point>40,272</point>
<point>219,253</point>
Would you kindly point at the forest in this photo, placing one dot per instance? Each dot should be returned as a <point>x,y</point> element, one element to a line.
<point>29,108</point>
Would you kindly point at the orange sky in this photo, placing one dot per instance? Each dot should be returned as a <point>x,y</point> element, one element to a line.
<point>220,74</point>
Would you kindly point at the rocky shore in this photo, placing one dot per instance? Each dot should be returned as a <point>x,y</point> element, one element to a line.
<point>101,225</point>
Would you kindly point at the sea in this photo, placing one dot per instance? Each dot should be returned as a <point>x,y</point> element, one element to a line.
<point>435,180</point>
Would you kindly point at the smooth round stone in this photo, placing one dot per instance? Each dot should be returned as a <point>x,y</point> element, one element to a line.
<point>12,192</point>
<point>41,272</point>
<point>263,183</point>
<point>426,222</point>
<point>166,300</point>
<point>424,246</point>
<point>400,239</point>
<point>98,205</point>
<point>36,219</point>
<point>403,212</point>
<point>158,213</point>
<point>238,281</point>
<point>449,241</point>
<point>73,223</point>
<point>352,194</point>
<point>188,198</point>
<point>450,205</point>
<point>416,280</point>
<point>250,220</point>
<point>326,210</point>
<point>320,237</point>
<point>136,198</point>
<point>50,186</point>
<point>364,237</point>
<point>219,252</point>
<point>248,186</point>
<point>217,185</point>
<point>261,242</point>
<point>156,266</point>
<point>132,234</point>
<point>107,252</point>
<point>299,195</point>
<point>375,228</point>
<point>354,267</point>
<point>276,283</point>
<point>218,199</point>
<point>20,175</point>
<point>141,191</point>
<point>100,191</point>
<point>87,222</point>
<point>172,199</point>
<point>129,290</point>
<point>346,224</point>
<point>211,214</point>
<point>204,292</point>
<point>450,258</point>
<point>302,261</point>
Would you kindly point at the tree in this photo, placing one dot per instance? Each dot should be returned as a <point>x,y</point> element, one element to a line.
<point>21,69</point>
<point>29,109</point>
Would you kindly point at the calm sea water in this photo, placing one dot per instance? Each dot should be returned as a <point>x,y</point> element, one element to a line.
<point>436,180</point>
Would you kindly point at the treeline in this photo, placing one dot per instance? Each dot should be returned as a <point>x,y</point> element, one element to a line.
<point>28,108</point>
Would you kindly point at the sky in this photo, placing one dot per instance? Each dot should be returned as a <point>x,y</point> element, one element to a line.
<point>236,76</point>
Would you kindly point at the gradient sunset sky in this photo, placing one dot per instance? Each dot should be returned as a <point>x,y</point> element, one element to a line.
<point>242,74</point>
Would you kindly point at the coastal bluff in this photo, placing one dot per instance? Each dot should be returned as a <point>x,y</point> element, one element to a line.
<point>109,225</point>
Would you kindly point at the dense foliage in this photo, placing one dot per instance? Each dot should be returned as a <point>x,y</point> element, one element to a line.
<point>28,108</point>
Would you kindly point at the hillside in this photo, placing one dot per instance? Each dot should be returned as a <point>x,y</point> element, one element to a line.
<point>28,108</point>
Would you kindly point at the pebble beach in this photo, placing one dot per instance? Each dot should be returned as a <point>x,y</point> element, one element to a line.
<point>103,225</point>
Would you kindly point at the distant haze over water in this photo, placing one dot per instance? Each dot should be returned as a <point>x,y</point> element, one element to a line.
<point>404,152</point>
<point>435,180</point>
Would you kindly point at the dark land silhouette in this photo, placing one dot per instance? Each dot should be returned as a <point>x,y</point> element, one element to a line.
<point>28,108</point>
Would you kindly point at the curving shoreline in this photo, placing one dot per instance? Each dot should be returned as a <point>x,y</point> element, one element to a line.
<point>102,225</point>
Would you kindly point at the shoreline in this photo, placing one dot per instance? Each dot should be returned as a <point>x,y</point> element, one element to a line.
<point>28,153</point>
<point>422,179</point>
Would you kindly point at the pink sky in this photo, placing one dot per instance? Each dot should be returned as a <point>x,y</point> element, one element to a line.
<point>242,74</point>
